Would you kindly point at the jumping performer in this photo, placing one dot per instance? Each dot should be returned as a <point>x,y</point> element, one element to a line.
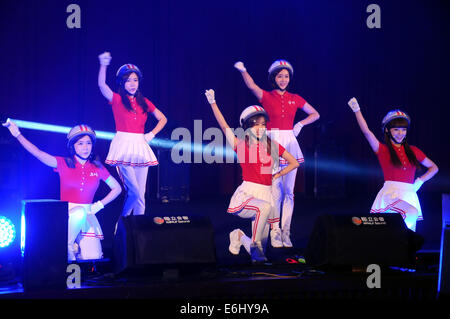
<point>281,106</point>
<point>399,162</point>
<point>80,174</point>
<point>129,150</point>
<point>257,154</point>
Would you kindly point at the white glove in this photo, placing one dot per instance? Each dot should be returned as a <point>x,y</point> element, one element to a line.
<point>105,58</point>
<point>210,96</point>
<point>240,66</point>
<point>12,127</point>
<point>149,136</point>
<point>96,207</point>
<point>297,128</point>
<point>353,103</point>
<point>417,184</point>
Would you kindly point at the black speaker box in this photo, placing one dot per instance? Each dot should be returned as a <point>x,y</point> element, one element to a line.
<point>44,244</point>
<point>145,244</point>
<point>358,240</point>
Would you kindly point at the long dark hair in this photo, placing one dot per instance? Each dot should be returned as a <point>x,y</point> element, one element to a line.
<point>248,124</point>
<point>138,95</point>
<point>399,122</point>
<point>93,158</point>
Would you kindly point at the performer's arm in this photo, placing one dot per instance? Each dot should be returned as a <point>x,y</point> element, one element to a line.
<point>293,164</point>
<point>162,121</point>
<point>114,192</point>
<point>432,169</point>
<point>45,158</point>
<point>313,116</point>
<point>229,135</point>
<point>257,91</point>
<point>373,141</point>
<point>104,58</point>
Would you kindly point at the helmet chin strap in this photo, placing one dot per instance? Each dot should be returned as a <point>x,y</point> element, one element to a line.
<point>282,90</point>
<point>393,139</point>
<point>82,158</point>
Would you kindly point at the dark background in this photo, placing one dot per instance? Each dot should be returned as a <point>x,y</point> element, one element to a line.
<point>49,75</point>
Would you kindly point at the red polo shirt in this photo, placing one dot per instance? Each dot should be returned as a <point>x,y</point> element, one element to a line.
<point>130,121</point>
<point>406,172</point>
<point>256,162</point>
<point>79,184</point>
<point>281,108</point>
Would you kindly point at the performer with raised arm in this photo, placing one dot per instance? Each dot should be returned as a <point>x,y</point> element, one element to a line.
<point>80,175</point>
<point>399,162</point>
<point>129,150</point>
<point>257,154</point>
<point>281,106</point>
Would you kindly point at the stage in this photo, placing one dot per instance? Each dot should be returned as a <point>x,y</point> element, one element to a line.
<point>233,278</point>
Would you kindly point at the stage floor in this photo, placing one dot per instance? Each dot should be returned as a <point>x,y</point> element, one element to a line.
<point>234,278</point>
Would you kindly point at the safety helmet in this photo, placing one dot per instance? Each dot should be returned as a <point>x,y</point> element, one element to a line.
<point>127,69</point>
<point>80,130</point>
<point>281,64</point>
<point>392,115</point>
<point>251,111</point>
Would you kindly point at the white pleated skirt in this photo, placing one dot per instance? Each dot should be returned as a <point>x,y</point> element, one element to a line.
<point>130,149</point>
<point>391,194</point>
<point>287,139</point>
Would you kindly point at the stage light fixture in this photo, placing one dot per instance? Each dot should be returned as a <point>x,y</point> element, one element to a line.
<point>7,232</point>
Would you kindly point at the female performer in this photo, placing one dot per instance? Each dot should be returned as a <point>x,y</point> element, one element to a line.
<point>253,199</point>
<point>399,162</point>
<point>80,175</point>
<point>281,106</point>
<point>129,150</point>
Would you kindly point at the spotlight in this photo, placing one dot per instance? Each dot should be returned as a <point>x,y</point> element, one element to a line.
<point>7,232</point>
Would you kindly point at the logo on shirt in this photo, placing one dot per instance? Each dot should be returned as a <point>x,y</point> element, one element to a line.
<point>94,174</point>
<point>291,102</point>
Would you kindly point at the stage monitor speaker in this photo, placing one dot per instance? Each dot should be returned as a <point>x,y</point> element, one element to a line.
<point>144,244</point>
<point>444,258</point>
<point>358,240</point>
<point>44,244</point>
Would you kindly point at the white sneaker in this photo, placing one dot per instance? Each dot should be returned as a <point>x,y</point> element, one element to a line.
<point>285,237</point>
<point>275,238</point>
<point>235,243</point>
<point>257,254</point>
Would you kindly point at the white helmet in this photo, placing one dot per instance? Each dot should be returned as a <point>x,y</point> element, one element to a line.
<point>251,111</point>
<point>78,130</point>
<point>392,115</point>
<point>281,64</point>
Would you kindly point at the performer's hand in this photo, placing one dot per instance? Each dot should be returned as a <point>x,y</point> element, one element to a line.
<point>96,207</point>
<point>105,58</point>
<point>297,128</point>
<point>149,136</point>
<point>417,184</point>
<point>12,127</point>
<point>240,66</point>
<point>210,95</point>
<point>353,103</point>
